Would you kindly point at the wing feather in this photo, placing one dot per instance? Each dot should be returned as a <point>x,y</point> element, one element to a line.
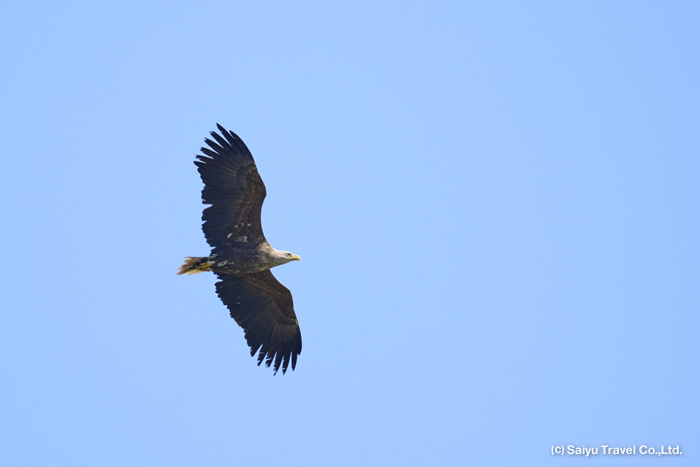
<point>264,308</point>
<point>233,188</point>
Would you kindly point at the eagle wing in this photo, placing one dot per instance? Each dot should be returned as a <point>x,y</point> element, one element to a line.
<point>233,188</point>
<point>263,307</point>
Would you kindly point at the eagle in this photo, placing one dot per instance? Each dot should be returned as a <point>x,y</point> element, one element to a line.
<point>240,255</point>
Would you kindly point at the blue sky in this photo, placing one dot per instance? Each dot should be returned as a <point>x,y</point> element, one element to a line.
<point>496,206</point>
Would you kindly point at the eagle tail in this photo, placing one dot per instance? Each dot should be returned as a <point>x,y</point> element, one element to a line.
<point>195,265</point>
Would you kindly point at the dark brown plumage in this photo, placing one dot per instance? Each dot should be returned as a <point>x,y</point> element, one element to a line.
<point>241,256</point>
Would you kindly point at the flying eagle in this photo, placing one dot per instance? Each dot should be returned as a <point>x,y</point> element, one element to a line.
<point>240,255</point>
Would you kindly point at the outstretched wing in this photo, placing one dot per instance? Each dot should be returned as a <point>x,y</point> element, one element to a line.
<point>263,307</point>
<point>234,189</point>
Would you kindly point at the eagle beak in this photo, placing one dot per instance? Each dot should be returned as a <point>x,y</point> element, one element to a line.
<point>296,258</point>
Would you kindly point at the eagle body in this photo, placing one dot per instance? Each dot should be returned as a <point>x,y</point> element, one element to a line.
<point>246,260</point>
<point>241,256</point>
<point>239,260</point>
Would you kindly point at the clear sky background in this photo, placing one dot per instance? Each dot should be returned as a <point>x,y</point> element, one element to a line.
<point>496,206</point>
